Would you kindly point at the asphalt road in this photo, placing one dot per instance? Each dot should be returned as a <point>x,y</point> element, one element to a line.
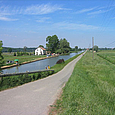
<point>35,98</point>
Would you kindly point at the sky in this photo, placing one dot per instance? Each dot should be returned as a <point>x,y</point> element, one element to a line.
<point>29,22</point>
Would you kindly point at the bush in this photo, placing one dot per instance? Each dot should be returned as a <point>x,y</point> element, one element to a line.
<point>14,54</point>
<point>60,61</point>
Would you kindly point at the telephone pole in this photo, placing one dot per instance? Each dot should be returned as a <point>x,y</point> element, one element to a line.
<point>93,46</point>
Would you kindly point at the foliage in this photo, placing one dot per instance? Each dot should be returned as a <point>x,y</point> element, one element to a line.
<point>10,50</point>
<point>64,46</point>
<point>5,49</point>
<point>1,57</point>
<point>60,61</point>
<point>76,48</point>
<point>14,53</point>
<point>25,48</point>
<point>95,48</point>
<point>13,81</point>
<point>52,43</point>
<point>41,46</point>
<point>22,53</point>
<point>90,89</point>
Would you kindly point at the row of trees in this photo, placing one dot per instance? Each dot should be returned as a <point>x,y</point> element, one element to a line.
<point>1,57</point>
<point>57,46</point>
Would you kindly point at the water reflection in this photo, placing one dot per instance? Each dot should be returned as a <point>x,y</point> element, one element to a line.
<point>38,65</point>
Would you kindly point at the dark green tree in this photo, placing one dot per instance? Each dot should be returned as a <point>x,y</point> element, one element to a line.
<point>76,48</point>
<point>64,46</point>
<point>9,50</point>
<point>1,57</point>
<point>96,48</point>
<point>52,43</point>
<point>25,48</point>
<point>41,46</point>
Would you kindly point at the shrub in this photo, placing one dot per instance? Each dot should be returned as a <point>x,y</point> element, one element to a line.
<point>60,61</point>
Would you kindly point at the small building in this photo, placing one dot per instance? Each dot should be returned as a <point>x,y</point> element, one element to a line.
<point>40,51</point>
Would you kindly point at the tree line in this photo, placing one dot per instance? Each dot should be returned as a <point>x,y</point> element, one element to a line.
<point>55,45</point>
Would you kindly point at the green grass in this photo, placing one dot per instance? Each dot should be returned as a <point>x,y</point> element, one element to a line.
<point>59,67</point>
<point>108,55</point>
<point>90,90</point>
<point>8,56</point>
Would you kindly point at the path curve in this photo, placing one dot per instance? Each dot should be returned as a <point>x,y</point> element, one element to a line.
<point>34,98</point>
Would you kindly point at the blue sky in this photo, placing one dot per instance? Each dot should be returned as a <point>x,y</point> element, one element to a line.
<point>29,22</point>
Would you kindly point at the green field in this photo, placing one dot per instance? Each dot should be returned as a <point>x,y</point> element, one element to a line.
<point>25,58</point>
<point>91,88</point>
<point>108,55</point>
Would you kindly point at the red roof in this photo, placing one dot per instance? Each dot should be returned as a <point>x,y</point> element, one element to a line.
<point>42,48</point>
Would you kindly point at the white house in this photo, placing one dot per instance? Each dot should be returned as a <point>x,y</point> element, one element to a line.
<point>40,51</point>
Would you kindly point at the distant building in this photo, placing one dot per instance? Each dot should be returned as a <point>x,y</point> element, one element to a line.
<point>40,51</point>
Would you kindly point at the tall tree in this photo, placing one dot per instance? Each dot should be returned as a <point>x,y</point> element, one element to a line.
<point>1,57</point>
<point>64,46</point>
<point>52,43</point>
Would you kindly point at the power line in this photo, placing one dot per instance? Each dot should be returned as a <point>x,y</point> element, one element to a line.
<point>110,43</point>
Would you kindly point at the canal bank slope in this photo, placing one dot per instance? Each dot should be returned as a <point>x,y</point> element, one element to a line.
<point>34,98</point>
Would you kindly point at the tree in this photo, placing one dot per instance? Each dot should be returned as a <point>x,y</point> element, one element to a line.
<point>64,46</point>
<point>25,48</point>
<point>41,46</point>
<point>10,50</point>
<point>52,43</point>
<point>95,48</point>
<point>76,48</point>
<point>1,57</point>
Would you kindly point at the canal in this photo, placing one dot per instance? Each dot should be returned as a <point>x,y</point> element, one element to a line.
<point>38,65</point>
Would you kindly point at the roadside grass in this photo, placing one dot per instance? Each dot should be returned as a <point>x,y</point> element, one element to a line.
<point>90,90</point>
<point>8,56</point>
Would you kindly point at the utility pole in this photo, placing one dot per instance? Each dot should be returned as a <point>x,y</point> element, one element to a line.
<point>93,46</point>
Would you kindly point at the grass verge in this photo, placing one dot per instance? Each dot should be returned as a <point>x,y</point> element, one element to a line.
<point>90,90</point>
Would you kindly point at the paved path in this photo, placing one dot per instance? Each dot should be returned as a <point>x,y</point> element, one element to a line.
<point>34,98</point>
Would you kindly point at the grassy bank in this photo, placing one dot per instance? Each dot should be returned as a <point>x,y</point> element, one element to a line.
<point>9,56</point>
<point>90,90</point>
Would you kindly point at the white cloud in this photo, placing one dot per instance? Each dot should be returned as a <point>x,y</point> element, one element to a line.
<point>6,11</point>
<point>85,10</point>
<point>7,19</point>
<point>99,12</point>
<point>41,9</point>
<point>30,10</point>
<point>43,19</point>
<point>74,26</point>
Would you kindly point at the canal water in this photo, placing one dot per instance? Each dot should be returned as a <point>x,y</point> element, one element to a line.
<point>38,65</point>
